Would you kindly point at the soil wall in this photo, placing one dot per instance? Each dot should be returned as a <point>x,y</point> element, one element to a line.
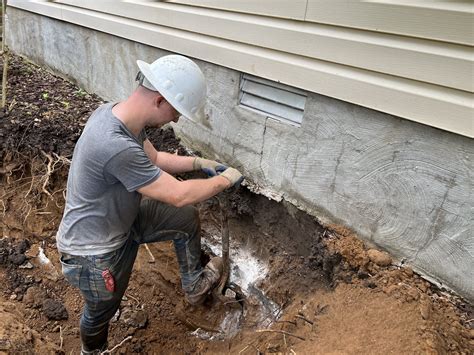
<point>400,185</point>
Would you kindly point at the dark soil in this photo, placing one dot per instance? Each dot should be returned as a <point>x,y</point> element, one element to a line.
<point>330,296</point>
<point>42,115</point>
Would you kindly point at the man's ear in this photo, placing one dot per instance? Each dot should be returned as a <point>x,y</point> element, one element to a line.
<point>159,100</point>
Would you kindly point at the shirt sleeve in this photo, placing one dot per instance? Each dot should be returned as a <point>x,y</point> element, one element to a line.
<point>132,168</point>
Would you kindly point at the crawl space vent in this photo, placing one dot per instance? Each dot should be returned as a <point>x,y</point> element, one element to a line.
<point>281,102</point>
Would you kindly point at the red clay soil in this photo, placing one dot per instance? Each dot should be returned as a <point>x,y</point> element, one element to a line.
<point>332,295</point>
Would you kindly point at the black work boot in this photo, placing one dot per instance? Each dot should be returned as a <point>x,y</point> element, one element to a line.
<point>94,352</point>
<point>209,278</point>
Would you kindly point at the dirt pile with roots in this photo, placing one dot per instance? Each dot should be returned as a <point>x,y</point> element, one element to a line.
<point>310,288</point>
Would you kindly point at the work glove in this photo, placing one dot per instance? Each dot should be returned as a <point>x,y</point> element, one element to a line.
<point>233,175</point>
<point>210,167</point>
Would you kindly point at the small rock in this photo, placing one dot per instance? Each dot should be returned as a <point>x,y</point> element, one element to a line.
<point>362,275</point>
<point>273,348</point>
<point>408,271</point>
<point>5,344</point>
<point>389,290</point>
<point>347,278</point>
<point>22,246</point>
<point>130,331</point>
<point>380,258</point>
<point>412,295</point>
<point>136,319</point>
<point>27,265</point>
<point>454,330</point>
<point>13,297</point>
<point>149,282</point>
<point>17,259</point>
<point>423,286</point>
<point>73,331</point>
<point>54,309</point>
<point>431,343</point>
<point>230,293</point>
<point>370,284</point>
<point>34,296</point>
<point>116,316</point>
<point>425,309</point>
<point>29,335</point>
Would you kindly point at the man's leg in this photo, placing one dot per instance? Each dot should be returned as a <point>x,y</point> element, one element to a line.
<point>158,221</point>
<point>100,304</point>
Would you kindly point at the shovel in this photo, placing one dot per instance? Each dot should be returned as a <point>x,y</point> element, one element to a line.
<point>224,284</point>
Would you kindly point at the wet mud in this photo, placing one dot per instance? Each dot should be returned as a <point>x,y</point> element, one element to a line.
<point>303,288</point>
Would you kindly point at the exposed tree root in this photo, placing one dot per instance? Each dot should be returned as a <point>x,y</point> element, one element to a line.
<point>278,331</point>
<point>43,170</point>
<point>117,346</point>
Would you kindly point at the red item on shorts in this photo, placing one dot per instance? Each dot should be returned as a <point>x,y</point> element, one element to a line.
<point>109,280</point>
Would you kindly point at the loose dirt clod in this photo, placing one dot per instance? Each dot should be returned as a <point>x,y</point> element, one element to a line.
<point>310,289</point>
<point>379,257</point>
<point>134,318</point>
<point>54,310</point>
<point>34,296</point>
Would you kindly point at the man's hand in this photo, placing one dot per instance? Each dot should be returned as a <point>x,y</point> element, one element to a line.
<point>210,167</point>
<point>233,175</point>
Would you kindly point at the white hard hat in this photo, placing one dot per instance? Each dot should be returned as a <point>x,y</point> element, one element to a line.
<point>180,81</point>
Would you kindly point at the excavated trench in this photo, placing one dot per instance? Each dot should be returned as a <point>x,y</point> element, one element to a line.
<point>303,288</point>
<point>268,242</point>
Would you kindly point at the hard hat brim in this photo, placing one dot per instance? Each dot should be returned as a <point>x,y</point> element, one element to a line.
<point>147,72</point>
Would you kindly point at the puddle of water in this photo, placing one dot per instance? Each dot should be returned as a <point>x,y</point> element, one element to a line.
<point>246,271</point>
<point>229,327</point>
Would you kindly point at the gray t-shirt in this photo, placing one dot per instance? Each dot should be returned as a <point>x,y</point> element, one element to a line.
<point>108,166</point>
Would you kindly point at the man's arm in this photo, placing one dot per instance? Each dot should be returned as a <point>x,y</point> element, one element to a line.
<point>171,163</point>
<point>181,193</point>
<point>175,164</point>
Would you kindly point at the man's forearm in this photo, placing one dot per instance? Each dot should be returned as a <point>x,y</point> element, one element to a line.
<point>173,164</point>
<point>198,190</point>
<point>181,193</point>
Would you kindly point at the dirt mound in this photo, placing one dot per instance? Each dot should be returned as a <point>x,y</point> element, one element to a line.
<point>16,337</point>
<point>309,288</point>
<point>44,112</point>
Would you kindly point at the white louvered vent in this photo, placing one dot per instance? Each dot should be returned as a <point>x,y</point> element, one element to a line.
<point>272,99</point>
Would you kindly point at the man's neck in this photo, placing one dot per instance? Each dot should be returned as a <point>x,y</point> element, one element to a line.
<point>131,115</point>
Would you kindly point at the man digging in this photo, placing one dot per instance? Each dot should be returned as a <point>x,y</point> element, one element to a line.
<point>113,166</point>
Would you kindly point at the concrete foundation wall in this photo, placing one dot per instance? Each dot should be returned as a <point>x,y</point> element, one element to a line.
<point>400,185</point>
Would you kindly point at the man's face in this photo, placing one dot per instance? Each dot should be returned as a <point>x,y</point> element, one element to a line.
<point>165,113</point>
<point>174,113</point>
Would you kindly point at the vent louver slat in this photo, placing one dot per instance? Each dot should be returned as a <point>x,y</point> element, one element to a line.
<point>272,99</point>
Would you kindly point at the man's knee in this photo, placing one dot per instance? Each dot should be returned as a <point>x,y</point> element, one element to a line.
<point>190,217</point>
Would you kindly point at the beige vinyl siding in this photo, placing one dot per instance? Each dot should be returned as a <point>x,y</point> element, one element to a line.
<point>295,9</point>
<point>421,79</point>
<point>446,21</point>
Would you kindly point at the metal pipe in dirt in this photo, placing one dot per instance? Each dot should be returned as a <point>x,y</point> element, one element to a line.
<point>225,246</point>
